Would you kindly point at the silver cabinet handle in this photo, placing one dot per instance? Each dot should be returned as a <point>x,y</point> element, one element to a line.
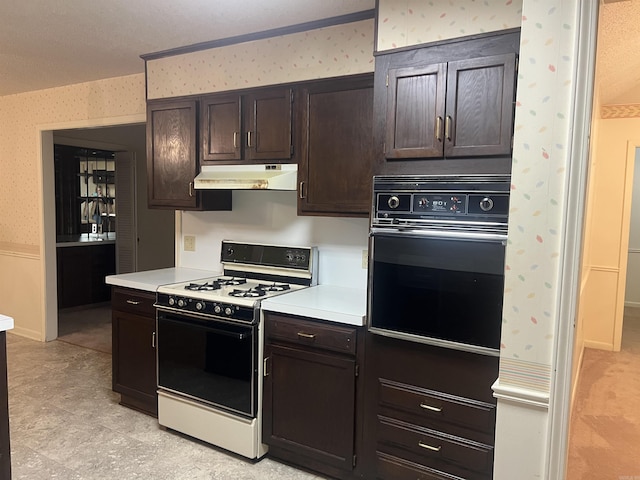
<point>191,189</point>
<point>429,447</point>
<point>309,336</point>
<point>235,139</point>
<point>249,139</point>
<point>133,302</point>
<point>153,340</point>
<point>430,407</point>
<point>301,192</point>
<point>265,367</point>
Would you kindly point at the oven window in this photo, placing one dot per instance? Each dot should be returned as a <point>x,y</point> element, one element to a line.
<point>447,289</point>
<point>210,361</point>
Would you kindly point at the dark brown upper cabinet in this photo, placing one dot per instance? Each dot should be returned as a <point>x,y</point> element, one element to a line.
<point>455,109</point>
<point>446,107</point>
<point>253,127</point>
<point>337,151</point>
<point>172,159</point>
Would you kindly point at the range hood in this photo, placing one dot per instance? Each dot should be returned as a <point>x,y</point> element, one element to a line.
<point>247,177</point>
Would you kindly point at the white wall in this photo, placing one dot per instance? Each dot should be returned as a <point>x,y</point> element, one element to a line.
<point>270,217</point>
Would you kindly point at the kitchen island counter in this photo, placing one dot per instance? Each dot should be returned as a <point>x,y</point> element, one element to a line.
<point>324,302</point>
<point>150,280</point>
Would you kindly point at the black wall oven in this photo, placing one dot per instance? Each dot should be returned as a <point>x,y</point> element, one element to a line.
<point>436,272</point>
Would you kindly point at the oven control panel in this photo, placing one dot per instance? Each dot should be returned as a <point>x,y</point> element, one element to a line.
<point>205,307</point>
<point>389,205</point>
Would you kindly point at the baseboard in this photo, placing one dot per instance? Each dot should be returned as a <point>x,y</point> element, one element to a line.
<point>27,333</point>
<point>632,304</point>
<point>598,345</point>
<point>574,385</point>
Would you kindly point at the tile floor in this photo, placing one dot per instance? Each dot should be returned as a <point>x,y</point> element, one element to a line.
<point>66,424</point>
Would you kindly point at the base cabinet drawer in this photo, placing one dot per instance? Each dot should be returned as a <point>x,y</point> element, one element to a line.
<point>390,467</point>
<point>442,452</point>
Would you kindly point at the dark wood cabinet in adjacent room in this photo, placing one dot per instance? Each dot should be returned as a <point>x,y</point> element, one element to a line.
<point>429,411</point>
<point>172,158</point>
<point>311,388</point>
<point>253,126</point>
<point>447,107</point>
<point>336,152</point>
<point>81,271</point>
<point>133,349</point>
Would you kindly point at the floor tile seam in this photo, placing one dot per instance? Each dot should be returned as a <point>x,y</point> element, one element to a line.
<point>42,454</point>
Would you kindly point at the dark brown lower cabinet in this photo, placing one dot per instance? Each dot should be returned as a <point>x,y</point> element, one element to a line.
<point>311,387</point>
<point>429,412</point>
<point>81,271</point>
<point>134,353</point>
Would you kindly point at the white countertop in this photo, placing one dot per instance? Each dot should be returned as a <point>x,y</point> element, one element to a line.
<point>324,302</point>
<point>6,323</point>
<point>150,280</point>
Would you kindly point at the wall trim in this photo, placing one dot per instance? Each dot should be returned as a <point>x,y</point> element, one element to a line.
<point>523,396</point>
<point>632,304</point>
<point>275,32</point>
<point>25,332</point>
<point>598,345</point>
<point>11,249</point>
<point>620,111</point>
<point>602,268</point>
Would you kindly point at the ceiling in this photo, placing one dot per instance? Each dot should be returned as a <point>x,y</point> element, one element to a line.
<point>48,43</point>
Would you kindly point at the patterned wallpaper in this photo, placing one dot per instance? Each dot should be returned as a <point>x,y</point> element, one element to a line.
<point>325,52</point>
<point>412,22</point>
<point>20,115</point>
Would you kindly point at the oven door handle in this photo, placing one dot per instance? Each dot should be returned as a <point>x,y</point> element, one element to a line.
<point>446,234</point>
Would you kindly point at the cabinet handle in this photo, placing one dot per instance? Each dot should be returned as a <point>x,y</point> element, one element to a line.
<point>249,139</point>
<point>429,447</point>
<point>235,139</point>
<point>191,189</point>
<point>447,128</point>
<point>265,367</point>
<point>430,407</point>
<point>153,340</point>
<point>308,336</point>
<point>302,196</point>
<point>133,302</point>
<point>439,128</point>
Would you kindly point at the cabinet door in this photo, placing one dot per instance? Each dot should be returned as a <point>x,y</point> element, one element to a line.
<point>415,111</point>
<point>221,127</point>
<point>171,154</point>
<point>309,404</point>
<point>336,148</point>
<point>268,129</point>
<point>134,360</point>
<point>480,96</point>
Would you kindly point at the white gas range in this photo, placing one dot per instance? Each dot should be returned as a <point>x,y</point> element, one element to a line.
<point>210,340</point>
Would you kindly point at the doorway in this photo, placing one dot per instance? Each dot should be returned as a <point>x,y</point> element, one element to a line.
<point>155,237</point>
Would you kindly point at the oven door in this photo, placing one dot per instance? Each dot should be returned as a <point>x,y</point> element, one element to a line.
<point>440,288</point>
<point>208,360</point>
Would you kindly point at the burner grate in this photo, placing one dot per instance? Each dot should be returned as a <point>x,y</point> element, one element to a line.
<point>208,286</point>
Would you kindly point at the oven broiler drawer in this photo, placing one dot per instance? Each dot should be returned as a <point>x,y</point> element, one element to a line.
<point>133,301</point>
<point>311,333</point>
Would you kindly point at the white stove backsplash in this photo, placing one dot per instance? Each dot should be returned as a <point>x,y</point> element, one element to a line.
<point>271,217</point>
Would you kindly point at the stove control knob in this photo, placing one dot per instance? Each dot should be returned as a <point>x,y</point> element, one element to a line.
<point>228,311</point>
<point>200,306</point>
<point>393,202</point>
<point>486,204</point>
<point>217,309</point>
<point>182,303</point>
<point>172,301</point>
<point>423,202</point>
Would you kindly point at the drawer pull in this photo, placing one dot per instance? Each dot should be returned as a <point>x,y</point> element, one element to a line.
<point>429,447</point>
<point>133,302</point>
<point>308,336</point>
<point>430,407</point>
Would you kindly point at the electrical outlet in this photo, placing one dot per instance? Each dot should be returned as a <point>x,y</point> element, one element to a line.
<point>365,259</point>
<point>189,243</point>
